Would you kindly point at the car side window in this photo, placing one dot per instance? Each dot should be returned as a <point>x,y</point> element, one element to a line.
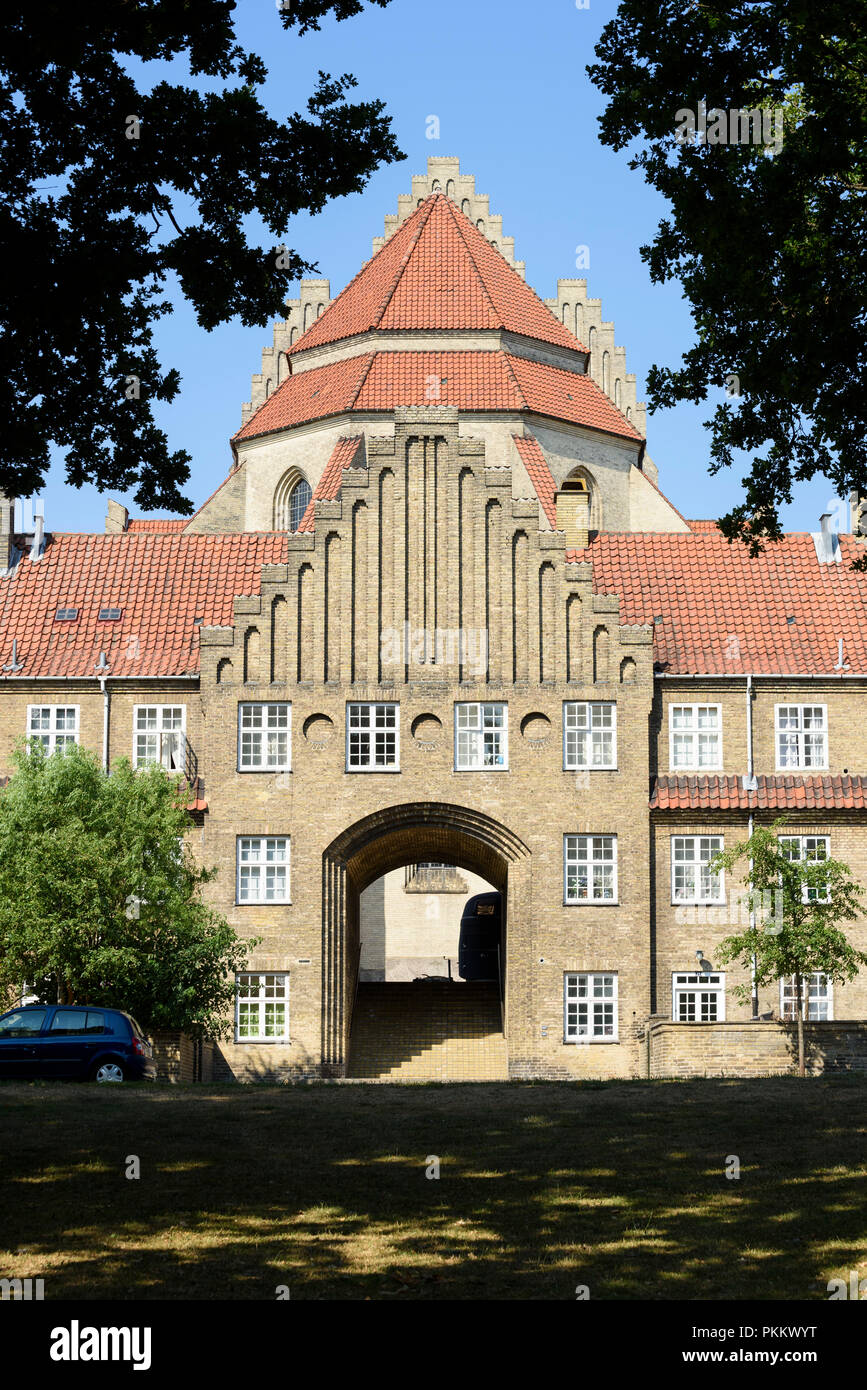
<point>23,1024</point>
<point>69,1021</point>
<point>95,1022</point>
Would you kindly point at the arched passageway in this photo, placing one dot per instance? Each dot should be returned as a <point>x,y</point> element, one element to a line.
<point>373,846</point>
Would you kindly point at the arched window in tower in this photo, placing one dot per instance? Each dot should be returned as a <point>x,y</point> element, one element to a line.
<point>465,207</point>
<point>436,186</point>
<point>617,393</point>
<point>290,500</point>
<point>591,344</point>
<point>450,188</point>
<point>566,314</point>
<point>292,336</point>
<point>308,309</point>
<point>606,373</point>
<point>319,309</point>
<point>267,387</point>
<point>579,323</point>
<point>480,223</point>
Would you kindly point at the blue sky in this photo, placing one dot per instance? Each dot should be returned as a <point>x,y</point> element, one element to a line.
<point>507,82</point>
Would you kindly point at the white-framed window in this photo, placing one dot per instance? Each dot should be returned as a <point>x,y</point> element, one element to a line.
<point>807,849</point>
<point>158,736</point>
<point>264,737</point>
<point>695,737</point>
<point>263,868</point>
<point>481,736</point>
<point>817,997</point>
<point>373,738</point>
<point>801,735</point>
<point>261,1006</point>
<point>698,997</point>
<point>590,868</point>
<point>691,878</point>
<point>589,734</point>
<point>53,725</point>
<point>590,1007</point>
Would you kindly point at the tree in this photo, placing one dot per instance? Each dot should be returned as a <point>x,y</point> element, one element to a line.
<point>100,897</point>
<point>769,239</point>
<point>802,935</point>
<point>109,186</point>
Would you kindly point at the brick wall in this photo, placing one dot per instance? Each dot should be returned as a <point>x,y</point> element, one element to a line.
<point>750,1049</point>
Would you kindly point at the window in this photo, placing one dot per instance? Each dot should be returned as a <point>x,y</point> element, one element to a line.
<point>372,738</point>
<point>159,736</point>
<point>263,737</point>
<point>807,849</point>
<point>109,615</point>
<point>695,737</point>
<point>262,1007</point>
<point>817,1002</point>
<point>590,1008</point>
<point>699,998</point>
<point>802,735</point>
<point>53,725</point>
<point>24,1023</point>
<point>263,869</point>
<point>589,734</point>
<point>691,878</point>
<point>299,499</point>
<point>481,736</point>
<point>66,615</point>
<point>77,1021</point>
<point>590,868</point>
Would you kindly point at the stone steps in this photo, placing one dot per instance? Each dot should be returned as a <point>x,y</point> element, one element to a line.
<point>427,1031</point>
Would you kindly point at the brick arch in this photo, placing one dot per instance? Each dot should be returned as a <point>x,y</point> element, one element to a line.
<point>385,840</point>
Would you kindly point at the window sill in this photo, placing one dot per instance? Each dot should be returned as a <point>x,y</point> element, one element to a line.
<point>593,902</point>
<point>589,1042</point>
<point>247,770</point>
<point>371,769</point>
<point>263,1042</point>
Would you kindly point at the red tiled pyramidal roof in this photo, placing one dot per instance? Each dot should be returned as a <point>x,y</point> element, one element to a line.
<point>779,793</point>
<point>437,271</point>
<point>161,583</point>
<point>472,381</point>
<point>342,456</point>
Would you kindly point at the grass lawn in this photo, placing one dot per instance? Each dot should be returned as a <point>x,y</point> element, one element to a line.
<point>619,1186</point>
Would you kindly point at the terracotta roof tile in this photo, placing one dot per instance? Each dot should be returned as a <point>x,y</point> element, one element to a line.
<point>342,456</point>
<point>540,475</point>
<point>779,793</point>
<point>472,381</point>
<point>161,583</point>
<point>147,524</point>
<point>437,271</point>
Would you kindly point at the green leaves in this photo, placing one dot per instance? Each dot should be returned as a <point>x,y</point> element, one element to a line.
<point>102,211</point>
<point>77,847</point>
<point>771,250</point>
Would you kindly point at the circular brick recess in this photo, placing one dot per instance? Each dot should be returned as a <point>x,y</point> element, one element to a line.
<point>535,727</point>
<point>427,730</point>
<point>319,730</point>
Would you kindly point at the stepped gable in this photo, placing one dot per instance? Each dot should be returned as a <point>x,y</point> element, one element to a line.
<point>343,456</point>
<point>436,272</point>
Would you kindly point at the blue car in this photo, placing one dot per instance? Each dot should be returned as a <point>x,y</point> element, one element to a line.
<point>73,1042</point>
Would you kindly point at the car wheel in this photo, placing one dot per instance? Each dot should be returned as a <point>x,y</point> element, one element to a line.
<point>107,1072</point>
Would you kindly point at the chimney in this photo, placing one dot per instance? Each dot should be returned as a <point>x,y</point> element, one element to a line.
<point>116,519</point>
<point>37,549</point>
<point>826,542</point>
<point>7,530</point>
<point>573,513</point>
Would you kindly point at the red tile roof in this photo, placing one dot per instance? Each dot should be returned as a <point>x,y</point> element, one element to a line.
<point>437,271</point>
<point>540,475</point>
<point>160,582</point>
<point>779,793</point>
<point>147,524</point>
<point>472,381</point>
<point>724,612</point>
<point>342,456</point>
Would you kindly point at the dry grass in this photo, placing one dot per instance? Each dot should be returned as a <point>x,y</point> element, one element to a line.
<point>543,1187</point>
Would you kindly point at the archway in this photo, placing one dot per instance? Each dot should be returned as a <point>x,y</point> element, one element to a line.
<point>389,839</point>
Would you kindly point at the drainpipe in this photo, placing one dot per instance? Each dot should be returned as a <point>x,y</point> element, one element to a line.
<point>751,785</point>
<point>106,712</point>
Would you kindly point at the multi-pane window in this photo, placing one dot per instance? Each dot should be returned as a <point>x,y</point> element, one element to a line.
<point>589,734</point>
<point>807,849</point>
<point>263,737</point>
<point>53,725</point>
<point>299,500</point>
<point>372,737</point>
<point>590,868</point>
<point>159,736</point>
<point>481,736</point>
<point>691,878</point>
<point>817,1002</point>
<point>590,1008</point>
<point>263,869</point>
<point>695,737</point>
<point>698,997</point>
<point>802,736</point>
<point>262,1007</point>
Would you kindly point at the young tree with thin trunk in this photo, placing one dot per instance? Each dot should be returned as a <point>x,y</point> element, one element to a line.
<point>801,935</point>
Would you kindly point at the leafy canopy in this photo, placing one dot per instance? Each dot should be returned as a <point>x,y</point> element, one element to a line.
<point>109,186</point>
<point>100,899</point>
<point>771,249</point>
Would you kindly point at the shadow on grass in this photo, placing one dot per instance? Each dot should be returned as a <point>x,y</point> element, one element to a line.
<point>543,1186</point>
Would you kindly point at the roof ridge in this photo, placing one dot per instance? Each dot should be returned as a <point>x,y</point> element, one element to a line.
<point>517,385</point>
<point>498,317</point>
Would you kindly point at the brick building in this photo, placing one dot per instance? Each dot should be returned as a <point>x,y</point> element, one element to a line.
<point>440,612</point>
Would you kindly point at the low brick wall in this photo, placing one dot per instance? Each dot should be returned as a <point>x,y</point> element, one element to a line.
<point>762,1048</point>
<point>179,1057</point>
